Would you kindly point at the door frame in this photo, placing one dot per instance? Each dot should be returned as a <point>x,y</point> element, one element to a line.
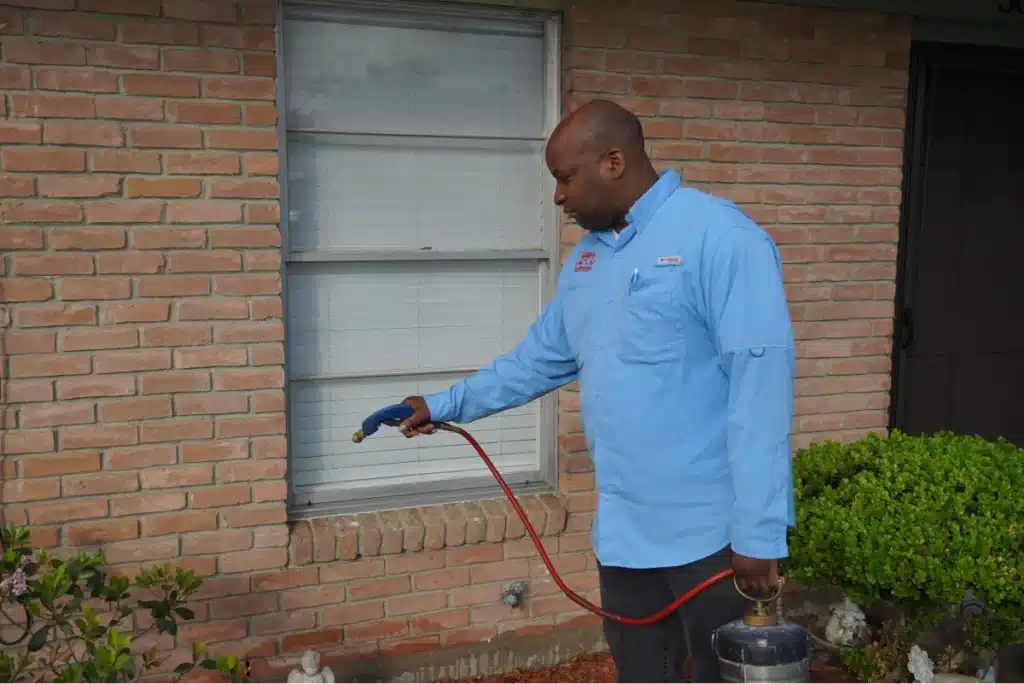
<point>924,57</point>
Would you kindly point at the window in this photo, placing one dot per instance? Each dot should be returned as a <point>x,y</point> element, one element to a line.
<point>420,239</point>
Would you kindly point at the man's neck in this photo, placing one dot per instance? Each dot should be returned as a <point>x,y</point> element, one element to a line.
<point>634,191</point>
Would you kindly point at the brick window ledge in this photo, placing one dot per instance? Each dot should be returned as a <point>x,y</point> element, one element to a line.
<point>408,530</point>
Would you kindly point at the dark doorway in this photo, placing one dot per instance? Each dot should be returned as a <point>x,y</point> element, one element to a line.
<point>959,340</point>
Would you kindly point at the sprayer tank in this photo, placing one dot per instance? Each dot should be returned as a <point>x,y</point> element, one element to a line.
<point>762,653</point>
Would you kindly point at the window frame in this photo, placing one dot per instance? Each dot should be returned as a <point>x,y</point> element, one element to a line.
<point>335,501</point>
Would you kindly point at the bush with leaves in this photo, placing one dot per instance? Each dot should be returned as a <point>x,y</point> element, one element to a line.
<point>914,522</point>
<point>49,605</point>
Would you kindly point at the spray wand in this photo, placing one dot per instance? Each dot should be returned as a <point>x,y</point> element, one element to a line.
<point>395,414</point>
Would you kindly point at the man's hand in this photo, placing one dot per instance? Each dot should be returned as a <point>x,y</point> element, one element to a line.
<point>756,577</point>
<point>419,422</point>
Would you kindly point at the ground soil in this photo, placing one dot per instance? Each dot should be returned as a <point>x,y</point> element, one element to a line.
<point>598,667</point>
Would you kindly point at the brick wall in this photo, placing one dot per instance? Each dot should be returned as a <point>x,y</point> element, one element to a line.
<point>142,398</point>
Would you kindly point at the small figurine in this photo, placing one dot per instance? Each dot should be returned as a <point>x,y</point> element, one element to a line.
<point>309,671</point>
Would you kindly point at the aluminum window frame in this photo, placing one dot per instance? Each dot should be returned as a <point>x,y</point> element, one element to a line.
<point>338,500</point>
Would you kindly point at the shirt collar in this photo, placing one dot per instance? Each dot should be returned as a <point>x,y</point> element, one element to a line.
<point>644,209</point>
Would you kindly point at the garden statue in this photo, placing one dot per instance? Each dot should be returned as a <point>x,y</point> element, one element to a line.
<point>309,671</point>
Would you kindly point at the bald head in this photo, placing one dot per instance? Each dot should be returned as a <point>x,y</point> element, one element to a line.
<point>601,125</point>
<point>597,157</point>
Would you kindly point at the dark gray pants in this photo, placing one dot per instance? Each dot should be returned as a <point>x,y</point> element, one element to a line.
<point>656,653</point>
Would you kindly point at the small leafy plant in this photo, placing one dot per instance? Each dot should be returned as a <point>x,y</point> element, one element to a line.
<point>52,607</point>
<point>916,523</point>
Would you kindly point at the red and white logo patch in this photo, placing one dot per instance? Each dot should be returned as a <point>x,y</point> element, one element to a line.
<point>586,261</point>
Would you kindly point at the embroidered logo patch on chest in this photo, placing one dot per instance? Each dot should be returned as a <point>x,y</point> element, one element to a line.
<point>669,260</point>
<point>586,261</point>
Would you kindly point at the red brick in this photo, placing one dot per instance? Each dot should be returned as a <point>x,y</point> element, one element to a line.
<point>178,523</point>
<point>123,56</point>
<point>241,139</point>
<point>204,112</point>
<point>33,211</point>
<point>260,114</point>
<point>162,187</point>
<point>48,315</point>
<point>130,109</point>
<point>16,186</point>
<point>143,551</point>
<point>77,81</point>
<point>136,312</point>
<point>126,458</point>
<point>19,391</point>
<point>53,106</point>
<point>238,88</point>
<point>176,335</point>
<point>211,404</point>
<point>250,426</point>
<point>34,159</point>
<point>99,483</point>
<point>82,534</point>
<point>218,497</point>
<point>18,132</point>
<point>65,511</point>
<point>124,161</point>
<point>174,382</point>
<point>30,342</point>
<point>160,33</point>
<point>79,186</point>
<point>129,262</point>
<point>160,85</point>
<point>247,285</point>
<point>30,51</point>
<point>27,441</point>
<point>87,437</point>
<point>168,238</point>
<point>204,212</point>
<point>179,476</point>
<point>132,361</point>
<point>215,61</point>
<point>94,288</point>
<point>168,137</point>
<point>18,491</point>
<point>48,365</point>
<point>247,561</point>
<point>43,415</point>
<point>21,238</point>
<point>100,338</point>
<point>177,429</point>
<point>150,502</point>
<point>121,211</point>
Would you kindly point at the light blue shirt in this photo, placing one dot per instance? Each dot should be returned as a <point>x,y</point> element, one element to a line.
<point>680,337</point>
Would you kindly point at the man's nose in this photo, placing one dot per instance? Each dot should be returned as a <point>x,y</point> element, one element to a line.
<point>559,198</point>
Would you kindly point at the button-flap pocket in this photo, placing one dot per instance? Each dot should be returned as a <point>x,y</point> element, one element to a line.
<point>649,328</point>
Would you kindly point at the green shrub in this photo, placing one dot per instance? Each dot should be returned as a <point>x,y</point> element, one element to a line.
<point>915,522</point>
<point>55,632</point>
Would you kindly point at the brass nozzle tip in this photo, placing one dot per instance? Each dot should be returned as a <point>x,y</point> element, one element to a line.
<point>358,436</point>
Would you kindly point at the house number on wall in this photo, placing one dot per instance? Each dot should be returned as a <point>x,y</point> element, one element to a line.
<point>1012,6</point>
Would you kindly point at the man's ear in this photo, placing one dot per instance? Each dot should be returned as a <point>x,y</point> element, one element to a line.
<point>613,165</point>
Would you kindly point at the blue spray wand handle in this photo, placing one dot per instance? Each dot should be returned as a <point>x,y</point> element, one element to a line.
<point>389,415</point>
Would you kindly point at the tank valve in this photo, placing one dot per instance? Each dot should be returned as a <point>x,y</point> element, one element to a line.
<point>513,594</point>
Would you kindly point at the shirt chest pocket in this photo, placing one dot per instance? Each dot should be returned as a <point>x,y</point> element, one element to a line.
<point>649,319</point>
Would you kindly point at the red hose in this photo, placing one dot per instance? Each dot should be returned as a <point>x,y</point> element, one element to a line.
<point>573,596</point>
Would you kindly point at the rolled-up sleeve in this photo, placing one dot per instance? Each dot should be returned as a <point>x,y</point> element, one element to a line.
<point>750,323</point>
<point>543,361</point>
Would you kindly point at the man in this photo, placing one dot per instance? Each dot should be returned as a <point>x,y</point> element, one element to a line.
<point>672,315</point>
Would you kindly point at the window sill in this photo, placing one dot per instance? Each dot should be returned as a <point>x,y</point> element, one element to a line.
<point>408,530</point>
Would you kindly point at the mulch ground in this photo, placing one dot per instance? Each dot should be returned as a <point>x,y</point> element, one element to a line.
<point>598,667</point>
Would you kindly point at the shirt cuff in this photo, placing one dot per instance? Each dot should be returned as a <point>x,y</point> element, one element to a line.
<point>759,546</point>
<point>441,407</point>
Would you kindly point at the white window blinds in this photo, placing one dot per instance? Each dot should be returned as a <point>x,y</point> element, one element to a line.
<point>420,243</point>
